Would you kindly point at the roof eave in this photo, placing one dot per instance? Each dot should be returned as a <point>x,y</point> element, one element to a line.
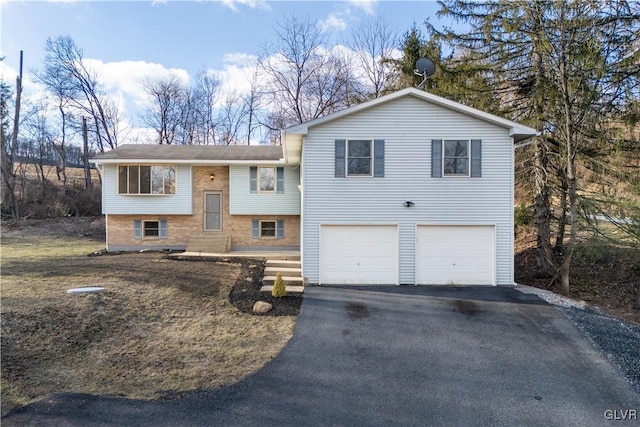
<point>188,162</point>
<point>514,127</point>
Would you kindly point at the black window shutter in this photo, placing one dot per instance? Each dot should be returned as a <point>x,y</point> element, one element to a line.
<point>280,180</point>
<point>436,158</point>
<point>253,179</point>
<point>378,159</point>
<point>339,154</point>
<point>476,158</point>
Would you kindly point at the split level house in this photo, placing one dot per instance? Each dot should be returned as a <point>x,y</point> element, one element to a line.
<point>409,188</point>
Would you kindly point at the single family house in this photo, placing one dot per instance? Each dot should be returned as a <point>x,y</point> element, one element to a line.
<point>409,188</point>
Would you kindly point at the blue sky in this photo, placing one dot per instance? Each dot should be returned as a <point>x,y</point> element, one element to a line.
<point>128,40</point>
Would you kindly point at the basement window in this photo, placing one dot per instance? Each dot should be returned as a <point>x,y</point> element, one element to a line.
<point>267,229</point>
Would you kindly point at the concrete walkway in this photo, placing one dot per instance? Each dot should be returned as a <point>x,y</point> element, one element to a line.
<point>395,356</point>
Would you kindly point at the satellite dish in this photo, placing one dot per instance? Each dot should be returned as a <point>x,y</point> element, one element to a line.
<point>425,68</point>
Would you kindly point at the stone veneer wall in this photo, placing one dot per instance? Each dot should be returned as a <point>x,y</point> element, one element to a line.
<point>181,227</point>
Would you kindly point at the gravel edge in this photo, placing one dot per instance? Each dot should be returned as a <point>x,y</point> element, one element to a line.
<point>618,341</point>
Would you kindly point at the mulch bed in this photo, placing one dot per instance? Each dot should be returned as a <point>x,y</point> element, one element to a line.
<point>246,292</point>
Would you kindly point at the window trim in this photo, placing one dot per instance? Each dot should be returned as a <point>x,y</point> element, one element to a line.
<point>139,165</point>
<point>446,175</point>
<point>275,228</point>
<point>371,158</point>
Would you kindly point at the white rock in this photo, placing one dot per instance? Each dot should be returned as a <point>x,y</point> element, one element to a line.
<point>262,307</point>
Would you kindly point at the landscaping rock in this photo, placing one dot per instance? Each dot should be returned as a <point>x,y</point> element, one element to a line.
<point>262,307</point>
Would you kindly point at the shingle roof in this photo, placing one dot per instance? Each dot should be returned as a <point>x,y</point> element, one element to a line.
<point>191,153</point>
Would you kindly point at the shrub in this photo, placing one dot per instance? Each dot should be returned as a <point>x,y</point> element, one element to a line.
<point>279,287</point>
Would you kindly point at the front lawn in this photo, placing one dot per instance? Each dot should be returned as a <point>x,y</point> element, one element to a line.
<point>161,327</point>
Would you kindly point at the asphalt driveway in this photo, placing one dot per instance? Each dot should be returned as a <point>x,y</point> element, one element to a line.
<point>397,356</point>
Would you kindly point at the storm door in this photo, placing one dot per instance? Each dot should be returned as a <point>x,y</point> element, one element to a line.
<point>212,211</point>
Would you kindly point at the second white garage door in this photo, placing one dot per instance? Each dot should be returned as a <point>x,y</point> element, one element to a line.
<point>455,255</point>
<point>359,254</point>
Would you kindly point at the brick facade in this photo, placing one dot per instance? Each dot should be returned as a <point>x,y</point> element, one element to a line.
<point>120,228</point>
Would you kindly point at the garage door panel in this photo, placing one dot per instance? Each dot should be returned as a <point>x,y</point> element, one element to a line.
<point>358,255</point>
<point>455,255</point>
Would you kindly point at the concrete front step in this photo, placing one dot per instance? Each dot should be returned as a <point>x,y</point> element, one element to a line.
<point>214,243</point>
<point>283,263</point>
<point>290,289</point>
<point>289,280</point>
<point>288,271</point>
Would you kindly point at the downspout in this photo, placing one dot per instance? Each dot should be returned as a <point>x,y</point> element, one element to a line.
<point>283,140</point>
<point>100,168</point>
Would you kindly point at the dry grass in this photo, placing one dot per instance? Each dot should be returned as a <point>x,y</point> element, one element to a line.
<point>161,326</point>
<point>602,274</point>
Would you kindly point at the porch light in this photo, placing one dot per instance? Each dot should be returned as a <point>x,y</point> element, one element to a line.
<point>212,176</point>
<point>409,204</point>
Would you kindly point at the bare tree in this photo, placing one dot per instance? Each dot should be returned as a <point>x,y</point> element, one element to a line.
<point>66,73</point>
<point>9,144</point>
<point>233,118</point>
<point>253,101</point>
<point>206,94</point>
<point>374,44</point>
<point>166,113</point>
<point>304,78</point>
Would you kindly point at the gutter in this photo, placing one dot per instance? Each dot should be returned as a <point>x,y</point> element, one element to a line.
<point>280,161</point>
<point>524,144</point>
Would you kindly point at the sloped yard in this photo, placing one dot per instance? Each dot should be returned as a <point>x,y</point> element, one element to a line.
<point>161,327</point>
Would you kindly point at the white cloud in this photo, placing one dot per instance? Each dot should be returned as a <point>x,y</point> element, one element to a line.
<point>253,4</point>
<point>332,23</point>
<point>366,5</point>
<point>124,80</point>
<point>31,88</point>
<point>236,74</point>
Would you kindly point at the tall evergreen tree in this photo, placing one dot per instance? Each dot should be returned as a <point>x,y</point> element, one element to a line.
<point>567,68</point>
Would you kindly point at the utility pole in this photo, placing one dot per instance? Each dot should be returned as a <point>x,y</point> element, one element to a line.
<point>8,157</point>
<point>87,169</point>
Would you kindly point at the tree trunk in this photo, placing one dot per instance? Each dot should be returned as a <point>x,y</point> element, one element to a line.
<point>544,254</point>
<point>573,225</point>
<point>562,215</point>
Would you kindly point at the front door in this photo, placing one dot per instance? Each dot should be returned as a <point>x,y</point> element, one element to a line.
<point>212,211</point>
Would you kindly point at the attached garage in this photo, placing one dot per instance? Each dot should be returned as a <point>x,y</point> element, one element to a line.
<point>455,255</point>
<point>359,254</point>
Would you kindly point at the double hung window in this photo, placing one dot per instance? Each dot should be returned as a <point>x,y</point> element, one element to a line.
<point>359,155</point>
<point>456,158</point>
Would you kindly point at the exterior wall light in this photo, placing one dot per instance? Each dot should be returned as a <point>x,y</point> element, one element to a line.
<point>212,176</point>
<point>409,204</point>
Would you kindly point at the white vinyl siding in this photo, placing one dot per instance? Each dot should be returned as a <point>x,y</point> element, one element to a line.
<point>243,202</point>
<point>146,204</point>
<point>408,125</point>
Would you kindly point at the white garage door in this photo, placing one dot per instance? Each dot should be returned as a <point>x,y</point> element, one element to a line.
<point>359,254</point>
<point>455,255</point>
